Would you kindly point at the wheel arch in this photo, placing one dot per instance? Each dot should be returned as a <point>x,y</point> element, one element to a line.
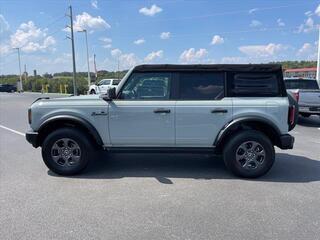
<point>56,122</point>
<point>257,123</point>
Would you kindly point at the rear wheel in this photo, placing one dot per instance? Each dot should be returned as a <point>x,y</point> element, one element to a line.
<point>66,151</point>
<point>249,154</point>
<point>92,92</point>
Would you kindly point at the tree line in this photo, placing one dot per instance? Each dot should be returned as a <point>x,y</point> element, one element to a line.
<point>59,81</point>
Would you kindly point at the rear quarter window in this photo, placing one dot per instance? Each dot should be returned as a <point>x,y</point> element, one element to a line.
<point>253,84</point>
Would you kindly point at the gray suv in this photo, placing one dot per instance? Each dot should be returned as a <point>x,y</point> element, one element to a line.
<point>239,111</point>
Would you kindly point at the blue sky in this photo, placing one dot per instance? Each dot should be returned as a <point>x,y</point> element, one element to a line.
<point>177,31</point>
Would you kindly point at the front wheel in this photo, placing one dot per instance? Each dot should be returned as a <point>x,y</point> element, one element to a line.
<point>249,154</point>
<point>66,151</point>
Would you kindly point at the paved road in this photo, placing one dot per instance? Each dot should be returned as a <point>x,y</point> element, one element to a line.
<point>125,196</point>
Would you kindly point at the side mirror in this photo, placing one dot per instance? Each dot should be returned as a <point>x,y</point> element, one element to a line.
<point>111,94</point>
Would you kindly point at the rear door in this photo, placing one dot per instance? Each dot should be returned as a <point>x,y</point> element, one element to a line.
<point>201,108</point>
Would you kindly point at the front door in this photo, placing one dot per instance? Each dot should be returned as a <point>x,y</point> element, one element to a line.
<point>201,108</point>
<point>144,113</point>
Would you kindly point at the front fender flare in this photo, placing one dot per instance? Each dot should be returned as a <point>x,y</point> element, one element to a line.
<point>92,130</point>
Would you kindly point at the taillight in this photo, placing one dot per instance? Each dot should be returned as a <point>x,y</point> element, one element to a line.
<point>296,96</point>
<point>291,114</point>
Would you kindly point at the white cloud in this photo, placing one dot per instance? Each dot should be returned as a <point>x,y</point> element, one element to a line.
<point>88,22</point>
<point>31,39</point>
<point>4,25</point>
<point>317,11</point>
<point>253,10</point>
<point>107,46</point>
<point>307,26</point>
<point>280,22</point>
<point>165,35</point>
<point>308,13</point>
<point>255,23</point>
<point>153,55</point>
<point>216,39</point>
<point>128,60</point>
<point>308,51</point>
<point>4,48</point>
<point>191,55</point>
<point>153,10</point>
<point>94,4</point>
<point>115,52</point>
<point>139,41</point>
<point>106,42</point>
<point>268,50</point>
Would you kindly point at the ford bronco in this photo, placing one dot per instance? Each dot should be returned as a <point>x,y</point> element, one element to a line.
<point>238,111</point>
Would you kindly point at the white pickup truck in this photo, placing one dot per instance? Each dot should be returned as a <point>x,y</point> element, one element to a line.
<point>238,111</point>
<point>103,86</point>
<point>307,93</point>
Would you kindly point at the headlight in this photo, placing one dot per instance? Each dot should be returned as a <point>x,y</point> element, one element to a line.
<point>29,115</point>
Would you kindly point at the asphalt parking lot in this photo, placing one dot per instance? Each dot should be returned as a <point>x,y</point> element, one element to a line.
<point>155,196</point>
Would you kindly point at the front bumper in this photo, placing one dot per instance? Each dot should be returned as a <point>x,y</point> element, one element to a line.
<point>286,141</point>
<point>32,137</point>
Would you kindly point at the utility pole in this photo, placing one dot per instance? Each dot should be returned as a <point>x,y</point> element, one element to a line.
<point>95,66</point>
<point>118,68</point>
<point>89,79</point>
<point>318,62</point>
<point>73,54</point>
<point>25,72</point>
<point>20,86</point>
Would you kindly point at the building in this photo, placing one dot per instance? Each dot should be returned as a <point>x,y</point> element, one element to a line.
<point>310,72</point>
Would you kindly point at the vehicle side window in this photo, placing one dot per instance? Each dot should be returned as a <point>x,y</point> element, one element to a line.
<point>201,86</point>
<point>253,84</point>
<point>106,82</point>
<point>147,86</point>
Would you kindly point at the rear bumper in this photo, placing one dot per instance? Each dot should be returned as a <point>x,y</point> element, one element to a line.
<point>286,141</point>
<point>309,109</point>
<point>32,137</point>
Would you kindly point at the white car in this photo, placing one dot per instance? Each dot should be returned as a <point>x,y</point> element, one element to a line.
<point>103,86</point>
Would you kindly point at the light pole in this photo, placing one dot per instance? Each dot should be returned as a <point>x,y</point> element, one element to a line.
<point>89,79</point>
<point>318,60</point>
<point>20,87</point>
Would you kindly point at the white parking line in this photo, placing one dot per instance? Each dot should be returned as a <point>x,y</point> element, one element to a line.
<point>12,130</point>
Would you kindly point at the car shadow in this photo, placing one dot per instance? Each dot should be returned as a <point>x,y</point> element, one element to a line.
<point>166,167</point>
<point>312,121</point>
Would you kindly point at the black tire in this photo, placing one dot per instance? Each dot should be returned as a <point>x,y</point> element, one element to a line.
<point>83,142</point>
<point>244,137</point>
<point>306,115</point>
<point>92,92</point>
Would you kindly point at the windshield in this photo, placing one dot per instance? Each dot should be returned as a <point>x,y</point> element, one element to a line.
<point>301,84</point>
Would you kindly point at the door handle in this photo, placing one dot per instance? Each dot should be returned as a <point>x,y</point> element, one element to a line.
<point>161,110</point>
<point>219,110</point>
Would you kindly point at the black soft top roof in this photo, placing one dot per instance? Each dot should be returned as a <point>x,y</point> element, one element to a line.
<point>209,67</point>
